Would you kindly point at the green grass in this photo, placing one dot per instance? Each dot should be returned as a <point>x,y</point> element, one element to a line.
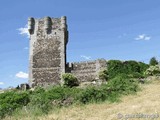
<point>41,101</point>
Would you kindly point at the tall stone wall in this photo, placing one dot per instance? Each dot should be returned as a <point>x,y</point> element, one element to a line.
<point>48,39</point>
<point>87,71</point>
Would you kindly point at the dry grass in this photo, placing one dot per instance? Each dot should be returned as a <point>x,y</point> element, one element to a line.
<point>145,102</point>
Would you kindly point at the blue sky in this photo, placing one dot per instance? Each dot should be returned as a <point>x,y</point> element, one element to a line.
<point>110,29</point>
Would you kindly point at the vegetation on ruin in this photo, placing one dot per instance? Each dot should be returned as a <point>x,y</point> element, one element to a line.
<point>70,80</point>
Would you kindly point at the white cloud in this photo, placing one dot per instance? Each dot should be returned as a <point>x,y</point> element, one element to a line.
<point>86,57</point>
<point>22,75</point>
<point>24,31</point>
<point>1,83</point>
<point>143,37</point>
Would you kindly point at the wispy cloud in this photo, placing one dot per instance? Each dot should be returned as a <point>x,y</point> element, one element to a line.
<point>22,75</point>
<point>1,83</point>
<point>86,57</point>
<point>143,37</point>
<point>24,31</point>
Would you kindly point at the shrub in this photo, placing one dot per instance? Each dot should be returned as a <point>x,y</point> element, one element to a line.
<point>130,67</point>
<point>123,85</point>
<point>117,86</point>
<point>136,75</point>
<point>39,90</point>
<point>92,94</point>
<point>116,67</point>
<point>153,70</point>
<point>143,67</point>
<point>10,101</point>
<point>60,93</point>
<point>44,100</point>
<point>39,101</point>
<point>153,61</point>
<point>70,80</point>
<point>103,75</point>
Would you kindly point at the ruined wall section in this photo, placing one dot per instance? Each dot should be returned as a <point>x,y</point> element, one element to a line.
<point>48,39</point>
<point>87,71</point>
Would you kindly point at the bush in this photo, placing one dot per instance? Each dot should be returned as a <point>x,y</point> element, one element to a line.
<point>103,75</point>
<point>153,61</point>
<point>10,101</point>
<point>44,100</point>
<point>123,85</point>
<point>130,67</point>
<point>116,67</point>
<point>70,80</point>
<point>60,93</point>
<point>92,94</point>
<point>116,87</point>
<point>136,75</point>
<point>143,67</point>
<point>153,70</point>
<point>39,100</point>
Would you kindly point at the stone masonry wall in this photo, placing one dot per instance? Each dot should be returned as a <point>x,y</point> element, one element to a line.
<point>87,71</point>
<point>47,50</point>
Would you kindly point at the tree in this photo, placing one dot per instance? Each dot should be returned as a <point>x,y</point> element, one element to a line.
<point>153,61</point>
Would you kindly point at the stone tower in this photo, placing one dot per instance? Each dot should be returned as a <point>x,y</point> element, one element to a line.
<point>48,40</point>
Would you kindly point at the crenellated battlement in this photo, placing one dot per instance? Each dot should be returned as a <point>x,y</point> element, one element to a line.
<point>31,25</point>
<point>49,24</point>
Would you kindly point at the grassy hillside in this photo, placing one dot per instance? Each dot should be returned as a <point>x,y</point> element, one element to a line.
<point>146,102</point>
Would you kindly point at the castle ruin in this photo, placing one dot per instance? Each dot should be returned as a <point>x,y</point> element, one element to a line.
<point>47,54</point>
